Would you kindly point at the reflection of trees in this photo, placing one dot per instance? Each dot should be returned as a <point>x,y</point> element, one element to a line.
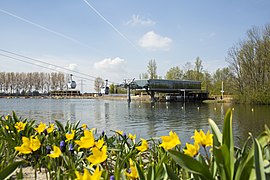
<point>247,120</point>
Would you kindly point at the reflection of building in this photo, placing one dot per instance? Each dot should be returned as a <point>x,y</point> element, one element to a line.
<point>173,89</point>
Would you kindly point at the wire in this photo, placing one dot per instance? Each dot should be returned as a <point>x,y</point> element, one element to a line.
<point>42,66</point>
<point>39,61</point>
<point>110,24</point>
<point>36,60</point>
<point>49,30</point>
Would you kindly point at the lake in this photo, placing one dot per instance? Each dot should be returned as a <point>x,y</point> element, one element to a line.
<point>141,118</point>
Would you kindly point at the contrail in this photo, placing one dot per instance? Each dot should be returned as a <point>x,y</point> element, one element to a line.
<point>110,24</point>
<point>47,29</point>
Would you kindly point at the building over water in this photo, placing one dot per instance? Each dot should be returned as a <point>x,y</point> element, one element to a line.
<point>181,90</point>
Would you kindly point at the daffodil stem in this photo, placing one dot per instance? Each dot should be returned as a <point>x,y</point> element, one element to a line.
<point>206,154</point>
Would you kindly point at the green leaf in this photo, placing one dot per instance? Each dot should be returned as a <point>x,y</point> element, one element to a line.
<point>151,173</point>
<point>140,171</point>
<point>60,126</point>
<point>258,160</point>
<point>216,133</point>
<point>190,164</point>
<point>10,169</point>
<point>227,140</point>
<point>170,172</point>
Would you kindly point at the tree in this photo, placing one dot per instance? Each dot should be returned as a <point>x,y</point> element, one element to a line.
<point>250,66</point>
<point>198,75</point>
<point>112,89</point>
<point>152,69</point>
<point>188,71</point>
<point>99,83</point>
<point>143,76</point>
<point>174,73</point>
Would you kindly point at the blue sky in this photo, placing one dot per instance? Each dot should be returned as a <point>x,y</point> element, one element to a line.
<point>117,42</point>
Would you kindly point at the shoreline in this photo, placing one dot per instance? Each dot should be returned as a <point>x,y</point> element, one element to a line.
<point>110,97</point>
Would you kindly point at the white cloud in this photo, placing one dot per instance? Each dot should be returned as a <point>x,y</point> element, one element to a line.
<point>153,41</point>
<point>138,20</point>
<point>73,67</point>
<point>110,65</point>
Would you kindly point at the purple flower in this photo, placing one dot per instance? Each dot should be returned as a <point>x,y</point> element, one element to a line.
<point>112,177</point>
<point>125,136</point>
<point>48,149</point>
<point>63,146</point>
<point>103,133</point>
<point>71,148</point>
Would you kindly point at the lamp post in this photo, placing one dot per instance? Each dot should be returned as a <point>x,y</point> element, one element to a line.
<point>222,91</point>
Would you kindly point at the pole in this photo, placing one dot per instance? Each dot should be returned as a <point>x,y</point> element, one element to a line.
<point>222,91</point>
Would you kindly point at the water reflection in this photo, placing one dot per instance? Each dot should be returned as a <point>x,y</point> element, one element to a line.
<point>144,119</point>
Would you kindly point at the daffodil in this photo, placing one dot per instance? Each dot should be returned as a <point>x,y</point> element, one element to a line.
<point>144,146</point>
<point>97,174</point>
<point>41,127</point>
<point>55,153</point>
<point>99,144</point>
<point>132,172</point>
<point>192,150</point>
<point>50,129</point>
<point>98,156</point>
<point>20,126</point>
<point>28,145</point>
<point>87,176</point>
<point>169,142</point>
<point>7,127</point>
<point>132,137</point>
<point>87,141</point>
<point>70,136</point>
<point>119,132</point>
<point>84,126</point>
<point>202,138</point>
<point>7,116</point>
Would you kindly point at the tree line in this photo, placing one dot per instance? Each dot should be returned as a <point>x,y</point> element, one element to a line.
<point>247,75</point>
<point>22,83</point>
<point>196,72</point>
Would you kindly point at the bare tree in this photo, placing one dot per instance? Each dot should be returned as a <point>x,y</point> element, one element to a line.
<point>99,83</point>
<point>152,69</point>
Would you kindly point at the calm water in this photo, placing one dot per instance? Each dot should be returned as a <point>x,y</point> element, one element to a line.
<point>140,118</point>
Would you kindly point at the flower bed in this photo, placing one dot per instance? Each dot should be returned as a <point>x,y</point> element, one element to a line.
<point>74,151</point>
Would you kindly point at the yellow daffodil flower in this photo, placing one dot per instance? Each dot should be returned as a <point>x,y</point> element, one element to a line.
<point>169,142</point>
<point>202,138</point>
<point>97,174</point>
<point>192,150</point>
<point>119,132</point>
<point>41,127</point>
<point>144,146</point>
<point>7,127</point>
<point>84,126</point>
<point>87,176</point>
<point>20,126</point>
<point>99,144</point>
<point>28,145</point>
<point>6,117</point>
<point>98,156</point>
<point>70,136</point>
<point>55,153</point>
<point>87,141</point>
<point>132,173</point>
<point>50,129</point>
<point>132,137</point>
